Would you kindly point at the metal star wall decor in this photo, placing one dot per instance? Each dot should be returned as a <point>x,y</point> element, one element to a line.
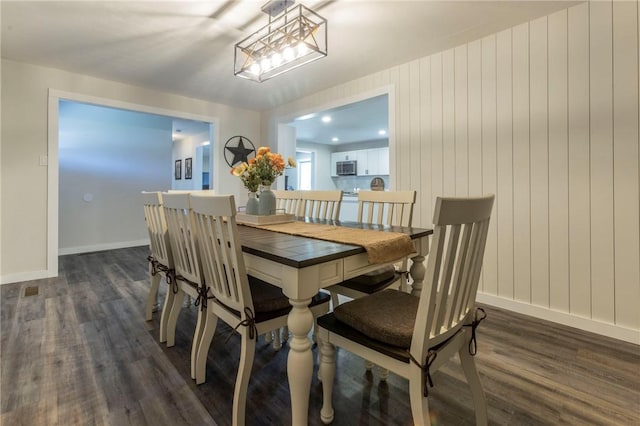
<point>236,152</point>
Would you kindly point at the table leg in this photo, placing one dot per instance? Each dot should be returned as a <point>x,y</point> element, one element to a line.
<point>418,269</point>
<point>417,272</point>
<point>300,360</point>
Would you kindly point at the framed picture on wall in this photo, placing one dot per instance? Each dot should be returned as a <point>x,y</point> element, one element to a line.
<point>187,168</point>
<point>178,171</point>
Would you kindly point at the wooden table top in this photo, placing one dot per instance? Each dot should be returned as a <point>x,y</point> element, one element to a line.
<point>301,252</point>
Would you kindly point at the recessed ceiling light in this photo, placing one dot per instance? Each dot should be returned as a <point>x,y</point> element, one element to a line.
<point>205,143</point>
<point>305,117</point>
<point>334,139</point>
<point>382,132</point>
<point>326,119</point>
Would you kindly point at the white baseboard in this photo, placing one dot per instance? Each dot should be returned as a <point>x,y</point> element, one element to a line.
<point>38,275</point>
<point>564,318</point>
<point>102,247</point>
<point>25,276</point>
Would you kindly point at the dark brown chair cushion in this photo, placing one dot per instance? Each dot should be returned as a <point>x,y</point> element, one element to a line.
<point>269,302</point>
<point>387,316</point>
<point>377,276</point>
<point>267,297</point>
<point>373,281</point>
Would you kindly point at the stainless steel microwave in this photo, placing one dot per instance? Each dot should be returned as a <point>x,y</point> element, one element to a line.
<point>346,168</point>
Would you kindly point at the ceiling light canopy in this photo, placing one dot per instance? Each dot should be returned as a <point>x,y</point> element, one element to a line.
<point>293,37</point>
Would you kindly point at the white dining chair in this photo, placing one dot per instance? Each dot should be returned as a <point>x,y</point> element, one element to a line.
<point>189,279</point>
<point>189,299</point>
<point>411,336</point>
<point>388,208</point>
<point>248,305</point>
<point>160,260</point>
<point>382,208</point>
<point>287,201</point>
<point>320,205</point>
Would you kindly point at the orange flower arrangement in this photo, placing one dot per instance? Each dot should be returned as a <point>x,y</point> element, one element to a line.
<point>247,173</point>
<point>263,169</point>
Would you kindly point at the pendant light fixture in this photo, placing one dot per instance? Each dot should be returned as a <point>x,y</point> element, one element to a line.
<point>294,36</point>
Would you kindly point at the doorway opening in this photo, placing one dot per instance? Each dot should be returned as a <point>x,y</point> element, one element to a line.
<point>305,165</point>
<point>361,125</point>
<point>117,169</point>
<point>107,156</point>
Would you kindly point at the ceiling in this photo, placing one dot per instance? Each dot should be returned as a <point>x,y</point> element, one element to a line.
<point>367,120</point>
<point>186,47</point>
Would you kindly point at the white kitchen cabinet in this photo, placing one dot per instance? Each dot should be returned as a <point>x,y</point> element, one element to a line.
<point>383,161</point>
<point>373,162</point>
<point>344,156</point>
<point>362,157</point>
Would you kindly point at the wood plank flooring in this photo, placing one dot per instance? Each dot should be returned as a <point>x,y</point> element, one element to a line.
<point>80,352</point>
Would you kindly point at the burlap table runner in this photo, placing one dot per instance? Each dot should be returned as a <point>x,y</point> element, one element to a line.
<point>381,247</point>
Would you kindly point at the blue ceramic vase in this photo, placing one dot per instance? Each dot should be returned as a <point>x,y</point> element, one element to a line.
<point>267,201</point>
<point>252,204</point>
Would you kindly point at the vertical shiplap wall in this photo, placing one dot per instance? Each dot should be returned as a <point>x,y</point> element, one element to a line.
<point>544,115</point>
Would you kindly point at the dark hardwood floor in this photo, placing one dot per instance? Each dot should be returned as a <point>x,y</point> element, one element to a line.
<point>80,352</point>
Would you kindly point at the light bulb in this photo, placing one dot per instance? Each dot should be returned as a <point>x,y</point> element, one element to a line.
<point>255,68</point>
<point>276,59</point>
<point>288,53</point>
<point>302,49</point>
<point>265,64</point>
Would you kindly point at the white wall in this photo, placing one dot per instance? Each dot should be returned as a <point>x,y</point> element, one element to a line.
<point>286,146</point>
<point>24,134</point>
<point>106,157</point>
<point>545,115</point>
<point>201,157</point>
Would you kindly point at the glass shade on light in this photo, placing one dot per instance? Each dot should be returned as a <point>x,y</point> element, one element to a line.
<point>294,38</point>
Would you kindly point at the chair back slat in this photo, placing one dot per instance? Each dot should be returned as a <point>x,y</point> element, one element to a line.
<point>446,277</point>
<point>225,271</point>
<point>478,244</point>
<point>392,208</point>
<point>183,236</point>
<point>454,301</point>
<point>157,228</point>
<point>453,270</point>
<point>287,201</point>
<point>323,205</point>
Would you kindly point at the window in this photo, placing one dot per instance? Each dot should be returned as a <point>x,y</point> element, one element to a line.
<point>305,169</point>
<point>305,175</point>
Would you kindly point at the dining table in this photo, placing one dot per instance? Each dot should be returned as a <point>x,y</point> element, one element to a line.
<point>301,266</point>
